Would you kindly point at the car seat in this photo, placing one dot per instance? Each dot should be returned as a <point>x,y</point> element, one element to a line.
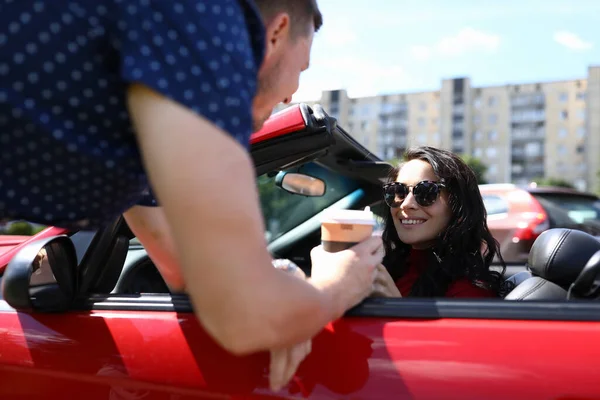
<point>556,259</point>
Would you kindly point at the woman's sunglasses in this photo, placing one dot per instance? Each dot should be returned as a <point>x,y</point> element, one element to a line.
<point>424,192</point>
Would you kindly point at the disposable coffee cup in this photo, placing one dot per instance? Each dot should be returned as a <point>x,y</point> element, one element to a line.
<point>342,229</point>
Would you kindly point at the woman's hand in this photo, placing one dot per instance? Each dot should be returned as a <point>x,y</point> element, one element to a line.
<point>285,362</point>
<point>384,285</point>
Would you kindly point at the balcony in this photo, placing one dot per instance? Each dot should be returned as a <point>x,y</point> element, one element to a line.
<point>528,116</point>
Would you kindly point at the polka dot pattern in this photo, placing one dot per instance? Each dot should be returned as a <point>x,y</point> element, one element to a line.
<point>68,154</point>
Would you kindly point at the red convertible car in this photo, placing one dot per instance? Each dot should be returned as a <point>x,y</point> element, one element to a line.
<point>96,321</point>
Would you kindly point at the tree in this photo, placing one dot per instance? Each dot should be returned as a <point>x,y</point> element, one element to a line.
<point>20,228</point>
<point>478,167</point>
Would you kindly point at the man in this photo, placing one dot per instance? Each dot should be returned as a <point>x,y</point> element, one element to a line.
<point>186,72</point>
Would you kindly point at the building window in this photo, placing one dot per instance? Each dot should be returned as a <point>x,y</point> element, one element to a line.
<point>580,149</point>
<point>492,136</point>
<point>563,115</point>
<point>562,133</point>
<point>491,152</point>
<point>477,103</point>
<point>478,136</point>
<point>421,122</point>
<point>493,170</point>
<point>492,101</point>
<point>533,149</point>
<point>366,110</point>
<point>436,139</point>
<point>423,106</point>
<point>580,96</point>
<point>581,114</point>
<point>492,119</point>
<point>563,97</point>
<point>478,152</point>
<point>561,149</point>
<point>581,132</point>
<point>422,138</point>
<point>389,153</point>
<point>476,119</point>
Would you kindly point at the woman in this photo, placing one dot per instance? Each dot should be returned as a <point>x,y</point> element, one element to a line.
<point>436,237</point>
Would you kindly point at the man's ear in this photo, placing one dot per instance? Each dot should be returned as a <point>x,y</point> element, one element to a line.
<point>277,32</point>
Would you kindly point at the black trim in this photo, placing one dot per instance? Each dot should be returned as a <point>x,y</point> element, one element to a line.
<point>386,308</point>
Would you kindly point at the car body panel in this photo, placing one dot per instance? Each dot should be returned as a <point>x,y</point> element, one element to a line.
<point>8,242</point>
<point>280,124</point>
<point>103,353</point>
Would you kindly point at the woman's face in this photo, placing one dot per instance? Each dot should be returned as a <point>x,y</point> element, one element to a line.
<point>416,225</point>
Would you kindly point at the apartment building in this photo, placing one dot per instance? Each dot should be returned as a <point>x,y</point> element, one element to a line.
<point>521,132</point>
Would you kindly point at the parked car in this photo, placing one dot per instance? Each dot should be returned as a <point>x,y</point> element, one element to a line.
<point>517,215</point>
<point>106,327</point>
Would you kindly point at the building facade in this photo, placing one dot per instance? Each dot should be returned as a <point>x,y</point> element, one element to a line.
<point>522,132</point>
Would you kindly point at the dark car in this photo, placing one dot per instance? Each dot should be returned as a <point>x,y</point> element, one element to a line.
<point>106,326</point>
<point>517,215</point>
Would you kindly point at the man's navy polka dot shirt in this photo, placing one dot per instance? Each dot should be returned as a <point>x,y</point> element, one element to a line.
<point>68,153</point>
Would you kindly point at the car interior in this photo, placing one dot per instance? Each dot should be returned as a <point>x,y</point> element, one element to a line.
<point>563,263</point>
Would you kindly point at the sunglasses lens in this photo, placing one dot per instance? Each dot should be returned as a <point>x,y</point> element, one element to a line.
<point>395,194</point>
<point>426,193</point>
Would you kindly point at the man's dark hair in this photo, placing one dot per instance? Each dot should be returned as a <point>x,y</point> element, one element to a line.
<point>301,12</point>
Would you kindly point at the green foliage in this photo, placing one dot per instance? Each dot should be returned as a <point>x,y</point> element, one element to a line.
<point>478,167</point>
<point>23,228</point>
<point>553,182</point>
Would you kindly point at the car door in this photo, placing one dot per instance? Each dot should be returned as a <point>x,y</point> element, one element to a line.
<point>151,347</point>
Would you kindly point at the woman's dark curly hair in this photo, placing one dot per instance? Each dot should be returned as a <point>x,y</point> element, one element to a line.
<point>465,249</point>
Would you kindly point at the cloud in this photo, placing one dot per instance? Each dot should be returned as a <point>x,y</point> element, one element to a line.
<point>467,40</point>
<point>338,32</point>
<point>421,53</point>
<point>572,41</point>
<point>362,77</point>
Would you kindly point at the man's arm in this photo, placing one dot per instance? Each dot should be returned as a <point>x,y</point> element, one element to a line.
<point>150,226</point>
<point>205,182</point>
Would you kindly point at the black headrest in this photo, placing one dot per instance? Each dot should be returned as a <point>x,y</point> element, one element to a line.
<point>558,255</point>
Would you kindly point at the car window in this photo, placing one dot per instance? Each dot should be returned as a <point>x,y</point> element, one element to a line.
<point>578,208</point>
<point>495,204</point>
<point>284,211</point>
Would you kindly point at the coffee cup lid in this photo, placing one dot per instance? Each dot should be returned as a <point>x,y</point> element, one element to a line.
<point>342,216</point>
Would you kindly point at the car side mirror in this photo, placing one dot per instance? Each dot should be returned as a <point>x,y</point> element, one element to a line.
<point>42,276</point>
<point>586,285</point>
<point>297,183</point>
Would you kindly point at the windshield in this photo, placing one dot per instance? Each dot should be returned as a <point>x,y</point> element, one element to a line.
<point>578,208</point>
<point>284,211</point>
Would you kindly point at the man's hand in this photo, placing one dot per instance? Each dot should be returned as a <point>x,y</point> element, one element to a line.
<point>352,272</point>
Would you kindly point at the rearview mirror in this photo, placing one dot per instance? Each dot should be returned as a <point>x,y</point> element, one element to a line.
<point>302,184</point>
<point>41,276</point>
